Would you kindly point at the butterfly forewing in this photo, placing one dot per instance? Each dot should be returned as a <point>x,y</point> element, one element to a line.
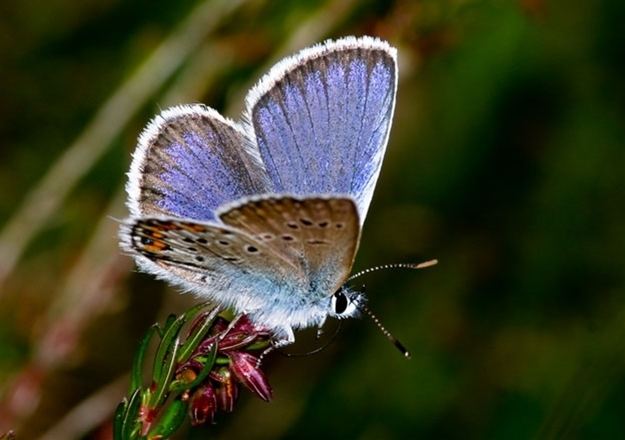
<point>321,119</point>
<point>190,160</point>
<point>318,235</point>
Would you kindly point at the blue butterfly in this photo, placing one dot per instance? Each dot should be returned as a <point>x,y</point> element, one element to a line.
<point>264,215</point>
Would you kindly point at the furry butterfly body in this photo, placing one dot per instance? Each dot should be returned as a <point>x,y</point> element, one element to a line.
<point>265,215</point>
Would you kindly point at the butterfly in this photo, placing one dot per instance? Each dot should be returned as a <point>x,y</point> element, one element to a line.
<point>264,215</point>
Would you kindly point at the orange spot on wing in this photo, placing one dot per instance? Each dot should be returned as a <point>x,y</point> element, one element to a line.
<point>157,246</point>
<point>193,227</point>
<point>169,226</point>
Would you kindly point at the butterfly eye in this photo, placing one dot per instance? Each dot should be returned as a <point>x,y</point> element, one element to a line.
<point>343,305</point>
<point>339,302</point>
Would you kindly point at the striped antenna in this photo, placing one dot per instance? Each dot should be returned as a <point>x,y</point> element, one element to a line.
<point>363,307</point>
<point>423,265</point>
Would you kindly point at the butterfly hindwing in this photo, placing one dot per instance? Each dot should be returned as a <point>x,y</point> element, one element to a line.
<point>213,260</point>
<point>319,235</point>
<point>189,161</point>
<point>321,119</point>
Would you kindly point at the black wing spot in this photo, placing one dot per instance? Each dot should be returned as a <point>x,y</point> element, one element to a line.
<point>192,249</point>
<point>292,225</point>
<point>288,238</point>
<point>251,249</point>
<point>202,241</point>
<point>313,241</point>
<point>200,259</point>
<point>147,240</point>
<point>322,224</point>
<point>339,225</point>
<point>187,240</point>
<point>305,222</point>
<point>224,242</point>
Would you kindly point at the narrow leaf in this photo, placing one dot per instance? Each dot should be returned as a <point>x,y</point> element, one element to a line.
<point>169,365</point>
<point>169,336</point>
<point>118,420</point>
<point>206,369</point>
<point>129,424</point>
<point>170,421</point>
<point>191,344</point>
<point>137,365</point>
<point>170,332</point>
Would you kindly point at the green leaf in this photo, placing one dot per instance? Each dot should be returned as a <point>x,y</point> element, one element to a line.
<point>162,385</point>
<point>171,331</point>
<point>129,424</point>
<point>227,314</point>
<point>170,421</point>
<point>193,311</point>
<point>118,420</point>
<point>206,369</point>
<point>170,336</point>
<point>258,345</point>
<point>171,318</point>
<point>191,344</point>
<point>222,360</point>
<point>137,364</point>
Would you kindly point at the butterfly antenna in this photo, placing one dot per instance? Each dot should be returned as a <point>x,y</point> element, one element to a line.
<point>363,307</point>
<point>423,265</point>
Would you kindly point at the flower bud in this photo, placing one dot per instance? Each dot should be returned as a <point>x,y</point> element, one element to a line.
<point>186,375</point>
<point>235,341</point>
<point>203,406</point>
<point>244,367</point>
<point>226,390</point>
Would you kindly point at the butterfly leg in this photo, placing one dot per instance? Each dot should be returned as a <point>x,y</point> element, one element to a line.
<point>231,326</point>
<point>278,343</point>
<point>320,328</point>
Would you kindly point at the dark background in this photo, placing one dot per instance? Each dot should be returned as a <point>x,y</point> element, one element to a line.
<point>505,162</point>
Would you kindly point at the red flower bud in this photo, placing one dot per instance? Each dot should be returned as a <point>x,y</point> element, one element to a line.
<point>244,368</point>
<point>203,406</point>
<point>236,340</point>
<point>226,390</point>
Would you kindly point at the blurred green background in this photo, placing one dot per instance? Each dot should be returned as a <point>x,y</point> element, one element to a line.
<point>506,162</point>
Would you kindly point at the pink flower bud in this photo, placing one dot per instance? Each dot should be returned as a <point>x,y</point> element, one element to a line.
<point>203,406</point>
<point>243,366</point>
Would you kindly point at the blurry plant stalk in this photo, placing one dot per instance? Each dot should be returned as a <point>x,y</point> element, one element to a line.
<point>195,376</point>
